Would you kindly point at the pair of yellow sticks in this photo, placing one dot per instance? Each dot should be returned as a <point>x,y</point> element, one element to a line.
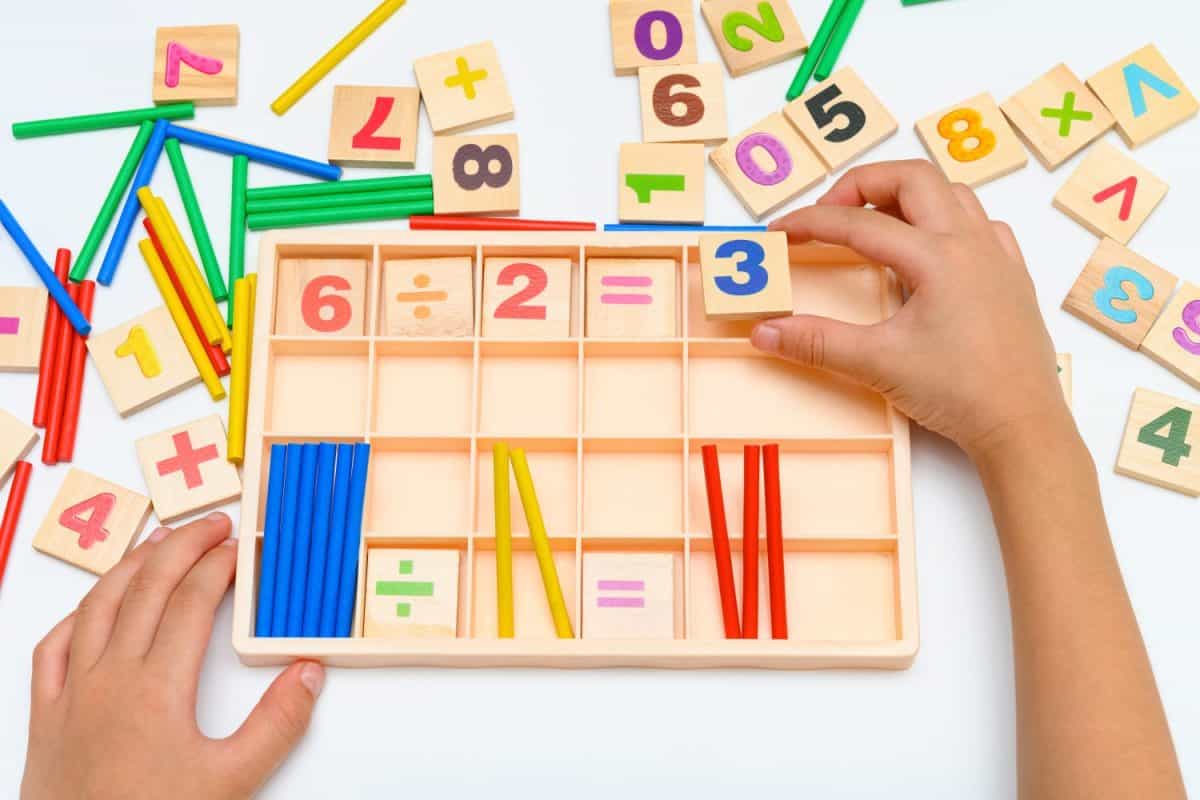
<point>501,456</point>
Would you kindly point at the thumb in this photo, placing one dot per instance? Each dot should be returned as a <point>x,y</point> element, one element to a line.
<point>276,724</point>
<point>821,343</point>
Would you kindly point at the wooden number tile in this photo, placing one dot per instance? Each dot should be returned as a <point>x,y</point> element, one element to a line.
<point>142,361</point>
<point>428,297</point>
<point>92,523</point>
<point>631,298</point>
<point>186,469</point>
<point>684,103</point>
<point>628,596</point>
<point>767,165</point>
<point>411,594</point>
<point>1057,115</point>
<point>22,319</point>
<point>477,174</point>
<point>1110,194</point>
<point>972,141</point>
<point>1161,445</point>
<point>661,183</point>
<point>197,63</point>
<point>752,34</point>
<point>374,126</point>
<point>1145,95</point>
<point>841,118</point>
<point>1066,375</point>
<point>650,32</point>
<point>464,88</point>
<point>16,440</point>
<point>745,275</point>
<point>321,297</point>
<point>1174,339</point>
<point>1120,293</point>
<point>527,298</point>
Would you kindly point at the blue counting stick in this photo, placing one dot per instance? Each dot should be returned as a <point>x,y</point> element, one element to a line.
<point>270,545</point>
<point>304,520</point>
<point>348,585</point>
<point>125,222</point>
<point>287,541</point>
<point>650,226</point>
<point>337,539</point>
<point>261,155</point>
<point>320,539</point>
<point>45,272</point>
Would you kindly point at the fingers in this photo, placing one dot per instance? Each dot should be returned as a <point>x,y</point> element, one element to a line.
<point>969,202</point>
<point>151,588</point>
<point>50,660</point>
<point>1008,240</point>
<point>276,724</point>
<point>823,343</point>
<point>186,628</point>
<point>877,236</point>
<point>916,187</point>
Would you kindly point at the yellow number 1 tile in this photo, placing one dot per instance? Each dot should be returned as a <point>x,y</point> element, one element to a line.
<point>142,361</point>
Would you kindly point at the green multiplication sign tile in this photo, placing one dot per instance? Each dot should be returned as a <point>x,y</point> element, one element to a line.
<point>404,589</point>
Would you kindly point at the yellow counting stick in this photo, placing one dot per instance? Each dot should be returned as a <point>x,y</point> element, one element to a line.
<point>191,339</point>
<point>195,285</point>
<point>245,291</point>
<point>541,545</point>
<point>334,57</point>
<point>504,573</point>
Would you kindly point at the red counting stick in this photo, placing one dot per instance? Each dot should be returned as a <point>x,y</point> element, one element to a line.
<point>720,536</point>
<point>12,511</point>
<point>750,542</point>
<point>69,423</point>
<point>775,574</point>
<point>449,222</point>
<point>50,343</point>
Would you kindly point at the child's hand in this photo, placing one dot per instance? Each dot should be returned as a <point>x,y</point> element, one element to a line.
<point>968,356</point>
<point>114,684</point>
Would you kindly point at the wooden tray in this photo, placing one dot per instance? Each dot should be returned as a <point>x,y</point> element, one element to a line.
<point>613,429</point>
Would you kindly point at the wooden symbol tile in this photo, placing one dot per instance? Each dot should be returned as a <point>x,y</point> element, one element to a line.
<point>1057,115</point>
<point>527,298</point>
<point>16,440</point>
<point>142,361</point>
<point>477,174</point>
<point>321,297</point>
<point>628,596</point>
<point>1162,442</point>
<point>631,298</point>
<point>745,275</point>
<point>92,523</point>
<point>1120,293</point>
<point>1174,339</point>
<point>1110,194</point>
<point>661,183</point>
<point>411,593</point>
<point>197,63</point>
<point>22,320</point>
<point>464,88</point>
<point>972,141</point>
<point>768,164</point>
<point>841,118</point>
<point>186,469</point>
<point>752,34</point>
<point>1145,95</point>
<point>651,32</point>
<point>428,297</point>
<point>374,126</point>
<point>683,103</point>
<point>1066,375</point>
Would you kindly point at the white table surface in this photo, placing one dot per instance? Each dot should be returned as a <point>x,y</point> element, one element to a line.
<point>945,728</point>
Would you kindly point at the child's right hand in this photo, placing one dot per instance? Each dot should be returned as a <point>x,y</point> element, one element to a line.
<point>968,355</point>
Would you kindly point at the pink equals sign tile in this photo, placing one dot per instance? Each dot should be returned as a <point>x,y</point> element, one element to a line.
<point>627,298</point>
<point>621,601</point>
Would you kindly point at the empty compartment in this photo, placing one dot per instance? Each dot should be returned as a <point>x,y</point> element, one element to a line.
<point>424,595</point>
<point>554,467</point>
<point>427,291</point>
<point>419,486</point>
<point>633,486</point>
<point>735,391</point>
<point>317,387</point>
<point>632,389</point>
<point>632,589</point>
<point>529,388</point>
<point>323,291</point>
<point>424,388</point>
<point>531,610</point>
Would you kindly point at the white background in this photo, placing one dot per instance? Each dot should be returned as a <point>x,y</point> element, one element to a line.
<point>943,729</point>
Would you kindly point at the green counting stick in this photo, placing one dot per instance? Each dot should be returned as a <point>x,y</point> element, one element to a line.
<point>815,50</point>
<point>100,122</point>
<point>108,209</point>
<point>340,187</point>
<point>187,193</point>
<point>838,40</point>
<point>358,199</point>
<point>336,214</point>
<point>237,227</point>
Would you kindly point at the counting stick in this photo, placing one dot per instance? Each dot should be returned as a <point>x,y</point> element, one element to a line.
<point>287,541</point>
<point>541,545</point>
<point>750,542</point>
<point>237,228</point>
<point>450,222</point>
<point>504,575</point>
<point>12,511</point>
<point>99,122</point>
<point>112,201</point>
<point>265,610</point>
<point>335,216</point>
<point>302,537</point>
<point>74,395</point>
<point>145,171</point>
<point>337,539</point>
<point>720,537</point>
<point>642,227</point>
<point>50,345</point>
<point>58,292</point>
<point>263,155</point>
<point>775,574</point>
<point>348,583</point>
<point>315,592</point>
<point>296,190</point>
<point>339,51</point>
<point>337,200</point>
<point>187,194</point>
<point>59,372</point>
<point>837,40</point>
<point>816,49</point>
<point>239,386</point>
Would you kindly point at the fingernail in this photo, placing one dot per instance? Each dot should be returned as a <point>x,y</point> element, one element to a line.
<point>313,677</point>
<point>158,535</point>
<point>229,543</point>
<point>766,338</point>
<point>216,516</point>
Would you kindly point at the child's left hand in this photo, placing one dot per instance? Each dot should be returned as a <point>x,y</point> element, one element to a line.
<point>113,708</point>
